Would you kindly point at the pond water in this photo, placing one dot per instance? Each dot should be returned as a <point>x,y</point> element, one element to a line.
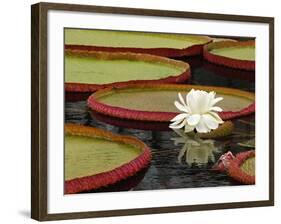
<point>165,170</point>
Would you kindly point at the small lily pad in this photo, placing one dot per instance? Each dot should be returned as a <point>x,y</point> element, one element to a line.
<point>240,54</point>
<point>242,167</point>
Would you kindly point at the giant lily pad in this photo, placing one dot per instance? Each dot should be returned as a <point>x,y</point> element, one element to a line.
<point>90,71</point>
<point>95,158</point>
<point>242,168</point>
<point>150,102</point>
<point>240,54</point>
<point>169,45</point>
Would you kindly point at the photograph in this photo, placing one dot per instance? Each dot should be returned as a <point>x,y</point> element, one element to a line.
<point>157,111</point>
<point>140,111</point>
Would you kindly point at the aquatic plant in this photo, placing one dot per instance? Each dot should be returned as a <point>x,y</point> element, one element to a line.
<point>198,112</point>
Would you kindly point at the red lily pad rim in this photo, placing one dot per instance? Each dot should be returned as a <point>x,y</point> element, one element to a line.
<point>226,61</point>
<point>94,104</point>
<point>83,87</point>
<point>195,49</point>
<point>106,178</point>
<point>131,124</point>
<point>234,169</point>
<point>223,130</point>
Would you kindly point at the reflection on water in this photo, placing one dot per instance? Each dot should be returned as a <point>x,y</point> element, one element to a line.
<point>165,171</point>
<point>195,151</point>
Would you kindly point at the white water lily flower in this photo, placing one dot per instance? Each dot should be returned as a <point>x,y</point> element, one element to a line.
<point>198,112</point>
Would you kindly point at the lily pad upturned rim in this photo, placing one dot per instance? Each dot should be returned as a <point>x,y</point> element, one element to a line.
<point>223,130</point>
<point>94,104</point>
<point>106,178</point>
<point>226,61</point>
<point>83,87</point>
<point>195,49</point>
<point>130,124</point>
<point>234,169</point>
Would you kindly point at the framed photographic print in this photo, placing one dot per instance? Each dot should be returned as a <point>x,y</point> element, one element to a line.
<point>138,111</point>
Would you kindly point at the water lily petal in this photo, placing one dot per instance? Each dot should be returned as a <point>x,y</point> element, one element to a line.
<point>216,116</point>
<point>218,109</point>
<point>210,121</point>
<point>211,97</point>
<point>193,119</point>
<point>192,99</point>
<point>187,101</point>
<point>180,117</point>
<point>174,126</point>
<point>181,99</point>
<point>181,107</point>
<point>177,122</point>
<point>201,101</point>
<point>216,100</point>
<point>201,127</point>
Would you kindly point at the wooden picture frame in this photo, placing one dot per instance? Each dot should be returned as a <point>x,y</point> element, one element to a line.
<point>39,108</point>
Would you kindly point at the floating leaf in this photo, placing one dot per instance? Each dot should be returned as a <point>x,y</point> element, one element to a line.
<point>91,71</point>
<point>240,54</point>
<point>168,45</point>
<point>95,158</point>
<point>155,102</point>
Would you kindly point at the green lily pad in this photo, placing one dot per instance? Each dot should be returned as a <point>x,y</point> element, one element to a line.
<point>96,158</point>
<point>163,100</point>
<point>124,39</point>
<point>90,71</point>
<point>93,70</point>
<point>155,102</point>
<point>241,53</point>
<point>85,156</point>
<point>238,55</point>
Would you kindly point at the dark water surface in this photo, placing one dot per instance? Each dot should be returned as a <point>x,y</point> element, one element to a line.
<point>165,170</point>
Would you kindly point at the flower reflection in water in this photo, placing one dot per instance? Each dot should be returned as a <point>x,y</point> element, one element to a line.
<point>197,152</point>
